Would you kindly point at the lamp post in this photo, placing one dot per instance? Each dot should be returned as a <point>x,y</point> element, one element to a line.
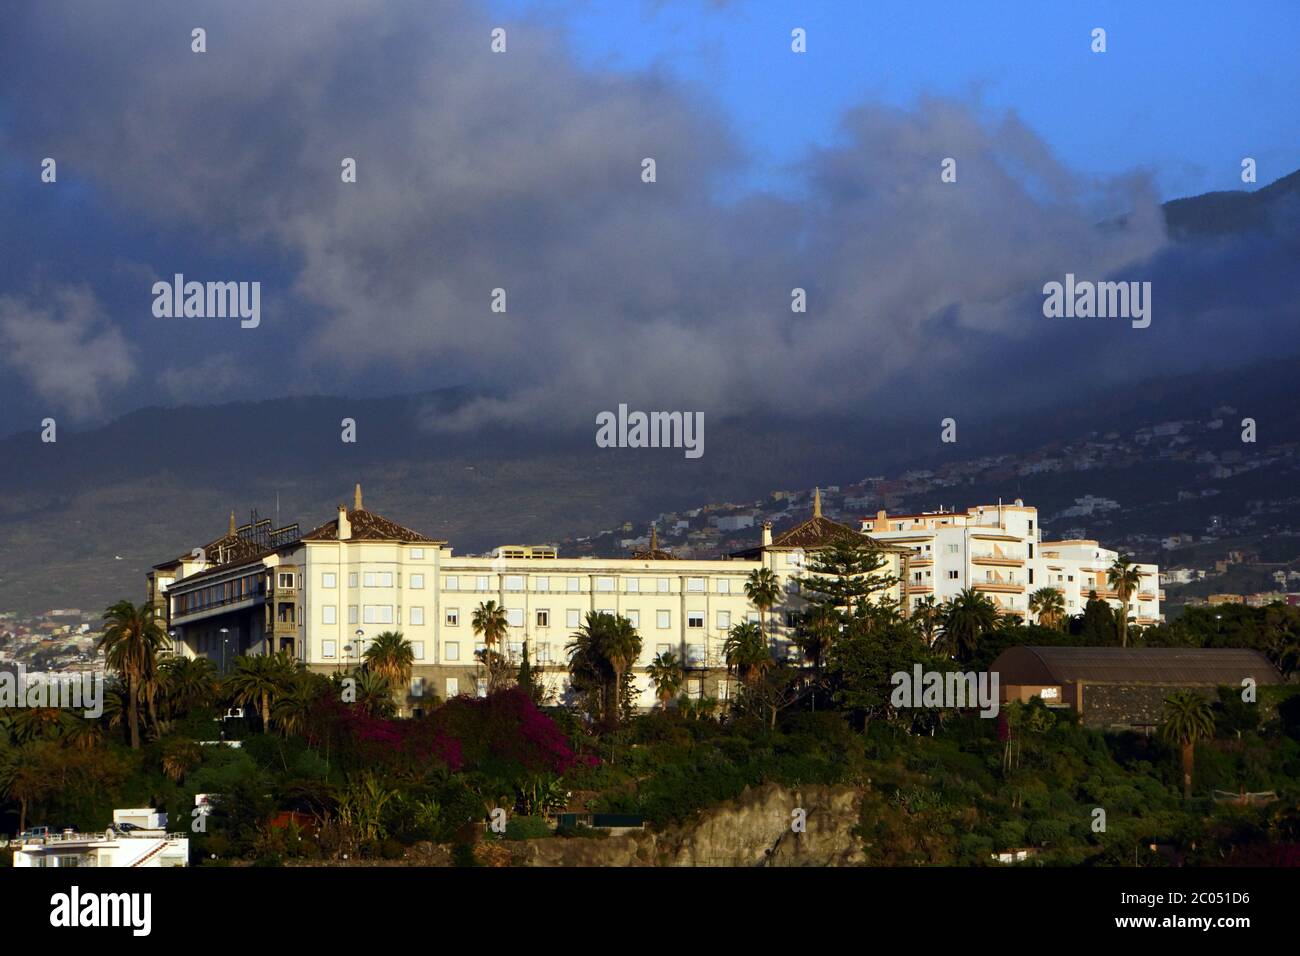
<point>225,641</point>
<point>360,635</point>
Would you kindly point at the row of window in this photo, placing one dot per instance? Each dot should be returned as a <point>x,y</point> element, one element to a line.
<point>694,687</point>
<point>384,614</point>
<point>542,652</point>
<point>215,595</point>
<point>518,582</point>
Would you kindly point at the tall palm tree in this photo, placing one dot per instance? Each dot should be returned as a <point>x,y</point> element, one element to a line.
<point>667,675</point>
<point>392,655</point>
<point>179,757</point>
<point>763,590</point>
<point>374,693</point>
<point>490,622</point>
<point>131,641</point>
<point>1049,605</point>
<point>967,618</point>
<point>747,653</point>
<point>260,679</point>
<point>1187,719</point>
<point>1124,579</point>
<point>621,646</point>
<point>24,779</point>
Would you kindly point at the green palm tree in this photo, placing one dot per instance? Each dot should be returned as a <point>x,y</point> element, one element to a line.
<point>621,646</point>
<point>490,622</point>
<point>926,618</point>
<point>1049,605</point>
<point>293,708</point>
<point>260,679</point>
<point>392,655</point>
<point>967,618</point>
<point>23,778</point>
<point>131,641</point>
<point>374,693</point>
<point>763,590</point>
<point>747,654</point>
<point>601,652</point>
<point>667,675</point>
<point>1123,578</point>
<point>187,684</point>
<point>1187,719</point>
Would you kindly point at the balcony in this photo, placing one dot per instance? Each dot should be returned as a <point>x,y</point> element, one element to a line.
<point>997,560</point>
<point>999,587</point>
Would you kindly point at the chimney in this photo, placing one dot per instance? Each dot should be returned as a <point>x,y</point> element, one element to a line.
<point>345,526</point>
<point>880,520</point>
<point>231,532</point>
<point>767,533</point>
<point>356,497</point>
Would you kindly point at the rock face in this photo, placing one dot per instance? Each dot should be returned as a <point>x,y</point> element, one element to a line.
<point>756,829</point>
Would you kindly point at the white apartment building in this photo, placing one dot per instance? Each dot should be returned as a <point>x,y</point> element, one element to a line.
<point>998,550</point>
<point>138,839</point>
<point>323,595</point>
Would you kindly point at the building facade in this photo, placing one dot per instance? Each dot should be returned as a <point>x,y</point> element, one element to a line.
<point>321,596</point>
<point>998,551</point>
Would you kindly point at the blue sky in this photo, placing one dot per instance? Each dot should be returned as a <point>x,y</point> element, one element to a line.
<point>1185,90</point>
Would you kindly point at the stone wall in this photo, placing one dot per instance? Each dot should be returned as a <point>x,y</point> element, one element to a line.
<point>1137,706</point>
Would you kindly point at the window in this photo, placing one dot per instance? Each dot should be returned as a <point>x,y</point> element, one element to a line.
<point>417,650</point>
<point>352,614</point>
<point>633,618</point>
<point>724,690</point>
<point>480,687</point>
<point>544,653</point>
<point>417,686</point>
<point>543,618</point>
<point>664,619</point>
<point>370,579</point>
<point>1031,551</point>
<point>285,580</point>
<point>751,617</point>
<point>377,614</point>
<point>695,585</point>
<point>329,648</point>
<point>453,687</point>
<point>724,585</point>
<point>604,584</point>
<point>663,649</point>
<point>452,649</point>
<point>515,649</point>
<point>481,583</point>
<point>515,616</point>
<point>453,616</point>
<point>417,616</point>
<point>572,619</point>
<point>695,653</point>
<point>329,580</point>
<point>694,618</point>
<point>417,554</point>
<point>724,620</point>
<point>954,575</point>
<point>453,583</point>
<point>695,688</point>
<point>329,614</point>
<point>417,582</point>
<point>633,585</point>
<point>352,579</point>
<point>514,582</point>
<point>791,619</point>
<point>543,583</point>
<point>386,579</point>
<point>1031,575</point>
<point>573,585</point>
<point>952,548</point>
<point>663,585</point>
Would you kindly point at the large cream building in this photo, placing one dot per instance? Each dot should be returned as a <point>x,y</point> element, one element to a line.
<point>998,550</point>
<point>321,596</point>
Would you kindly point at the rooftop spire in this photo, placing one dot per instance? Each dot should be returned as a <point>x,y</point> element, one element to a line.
<point>231,531</point>
<point>356,497</point>
<point>817,502</point>
<point>654,538</point>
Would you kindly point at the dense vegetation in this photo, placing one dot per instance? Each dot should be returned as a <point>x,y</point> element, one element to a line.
<point>328,766</point>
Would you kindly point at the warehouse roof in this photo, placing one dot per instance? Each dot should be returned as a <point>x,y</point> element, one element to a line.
<point>1189,666</point>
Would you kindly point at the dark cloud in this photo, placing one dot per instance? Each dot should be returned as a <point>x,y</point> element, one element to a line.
<point>522,171</point>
